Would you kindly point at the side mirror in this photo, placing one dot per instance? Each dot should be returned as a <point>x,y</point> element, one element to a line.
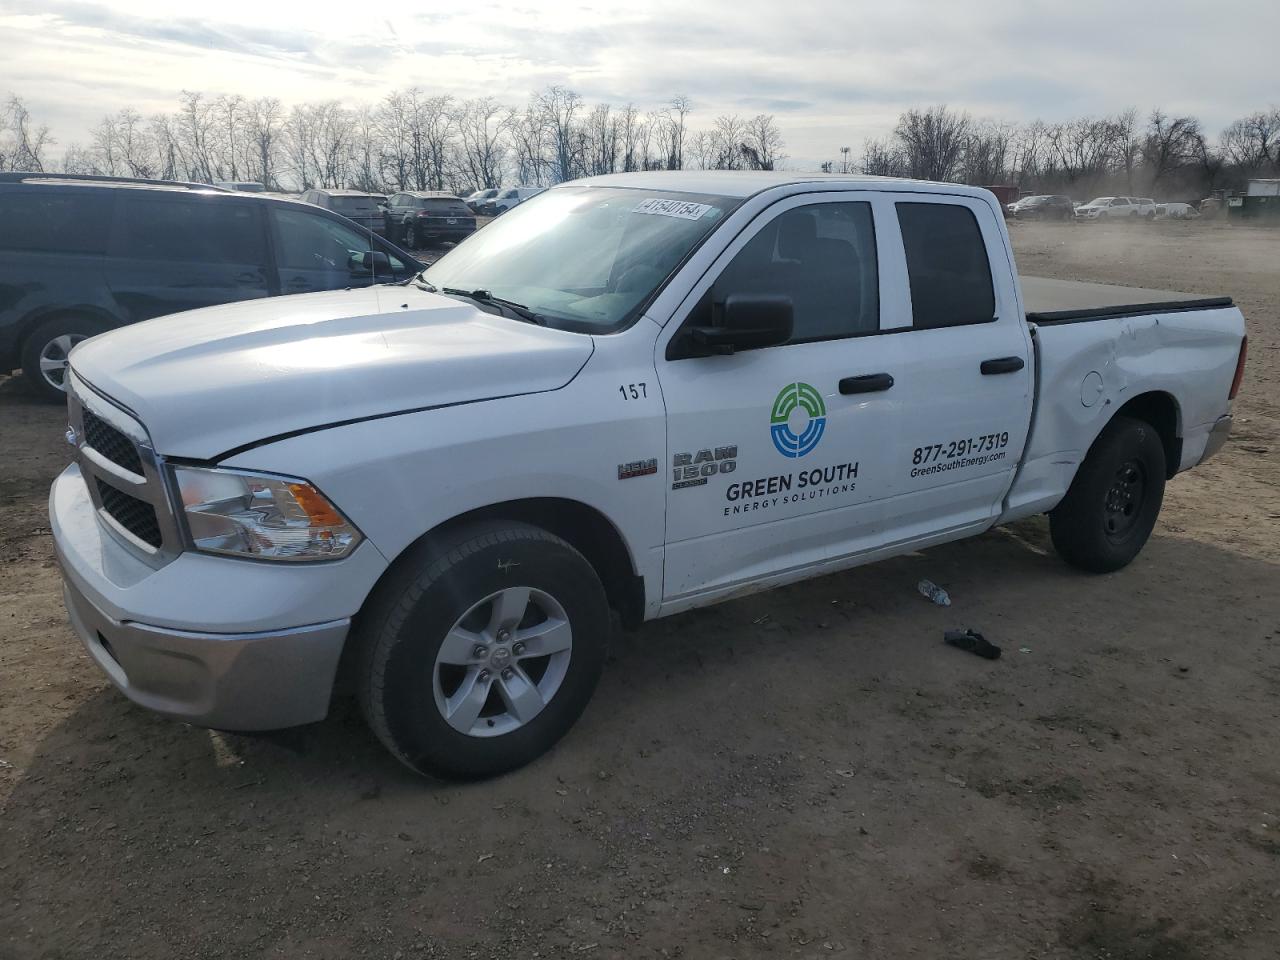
<point>375,260</point>
<point>749,321</point>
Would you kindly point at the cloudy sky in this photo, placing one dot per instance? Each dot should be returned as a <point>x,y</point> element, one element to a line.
<point>833,73</point>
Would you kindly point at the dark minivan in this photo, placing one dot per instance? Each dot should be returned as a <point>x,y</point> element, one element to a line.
<point>80,255</point>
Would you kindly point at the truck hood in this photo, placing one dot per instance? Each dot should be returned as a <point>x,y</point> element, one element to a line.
<point>209,381</point>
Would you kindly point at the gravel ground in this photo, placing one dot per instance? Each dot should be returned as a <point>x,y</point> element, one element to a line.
<point>808,772</point>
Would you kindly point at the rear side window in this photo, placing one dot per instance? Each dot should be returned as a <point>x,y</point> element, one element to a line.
<point>947,265</point>
<point>193,230</point>
<point>355,206</point>
<point>444,207</point>
<point>69,221</point>
<point>822,256</point>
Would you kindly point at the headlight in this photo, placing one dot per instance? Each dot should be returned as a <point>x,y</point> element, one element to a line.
<point>265,517</point>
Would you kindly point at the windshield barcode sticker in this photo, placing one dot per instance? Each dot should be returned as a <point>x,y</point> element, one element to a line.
<point>672,208</point>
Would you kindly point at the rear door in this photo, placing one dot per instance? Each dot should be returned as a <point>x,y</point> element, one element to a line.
<point>964,378</point>
<point>172,251</point>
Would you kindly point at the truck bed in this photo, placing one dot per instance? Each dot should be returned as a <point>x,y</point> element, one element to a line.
<point>1050,301</point>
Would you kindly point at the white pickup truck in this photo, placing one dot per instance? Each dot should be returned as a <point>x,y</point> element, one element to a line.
<point>640,393</point>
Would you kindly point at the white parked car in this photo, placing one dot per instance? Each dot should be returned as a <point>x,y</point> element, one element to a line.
<point>508,198</point>
<point>1110,208</point>
<point>1176,211</point>
<point>644,392</point>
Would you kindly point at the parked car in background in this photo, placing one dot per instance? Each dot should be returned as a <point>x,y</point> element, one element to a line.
<point>1146,207</point>
<point>81,255</point>
<point>242,186</point>
<point>477,199</point>
<point>420,218</point>
<point>1108,208</point>
<point>364,208</point>
<point>1176,211</point>
<point>1047,207</point>
<point>508,198</point>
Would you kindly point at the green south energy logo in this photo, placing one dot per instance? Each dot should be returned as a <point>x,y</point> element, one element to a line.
<point>798,420</point>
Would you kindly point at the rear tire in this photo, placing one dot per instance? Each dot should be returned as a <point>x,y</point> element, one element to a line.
<point>1111,507</point>
<point>460,676</point>
<point>44,354</point>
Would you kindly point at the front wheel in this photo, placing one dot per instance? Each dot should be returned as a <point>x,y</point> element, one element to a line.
<point>1111,507</point>
<point>480,651</point>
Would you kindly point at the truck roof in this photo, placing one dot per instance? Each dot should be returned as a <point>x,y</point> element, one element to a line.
<point>746,183</point>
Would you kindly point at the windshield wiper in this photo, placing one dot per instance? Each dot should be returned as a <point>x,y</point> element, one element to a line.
<point>420,279</point>
<point>518,310</point>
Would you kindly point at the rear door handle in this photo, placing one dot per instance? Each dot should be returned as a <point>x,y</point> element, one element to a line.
<point>1002,365</point>
<point>868,383</point>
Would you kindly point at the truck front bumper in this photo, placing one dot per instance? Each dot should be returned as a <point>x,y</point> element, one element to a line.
<point>210,640</point>
<point>246,681</point>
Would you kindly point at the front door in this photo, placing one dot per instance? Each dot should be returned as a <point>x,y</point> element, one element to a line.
<point>778,458</point>
<point>319,252</point>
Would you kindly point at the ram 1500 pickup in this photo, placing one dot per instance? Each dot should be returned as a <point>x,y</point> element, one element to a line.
<point>637,393</point>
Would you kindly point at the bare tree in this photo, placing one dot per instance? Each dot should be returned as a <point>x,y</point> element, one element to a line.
<point>729,133</point>
<point>603,136</point>
<point>1170,144</point>
<point>762,142</point>
<point>933,141</point>
<point>479,126</point>
<point>265,127</point>
<point>557,108</point>
<point>1252,143</point>
<point>678,110</point>
<point>883,158</point>
<point>22,143</point>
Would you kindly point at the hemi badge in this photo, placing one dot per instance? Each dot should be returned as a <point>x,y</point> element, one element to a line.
<point>637,468</point>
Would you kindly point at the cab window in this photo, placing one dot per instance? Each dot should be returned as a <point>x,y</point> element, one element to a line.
<point>823,257</point>
<point>947,265</point>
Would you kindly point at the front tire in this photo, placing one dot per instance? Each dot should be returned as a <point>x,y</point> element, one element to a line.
<point>1111,507</point>
<point>45,353</point>
<point>480,651</point>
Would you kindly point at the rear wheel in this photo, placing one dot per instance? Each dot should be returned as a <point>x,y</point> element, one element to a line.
<point>47,349</point>
<point>1111,508</point>
<point>410,236</point>
<point>480,652</point>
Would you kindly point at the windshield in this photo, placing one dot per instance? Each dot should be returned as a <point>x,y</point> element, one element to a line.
<point>583,258</point>
<point>1098,202</point>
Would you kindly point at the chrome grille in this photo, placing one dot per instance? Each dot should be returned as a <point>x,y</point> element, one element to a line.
<point>136,516</point>
<point>125,478</point>
<point>111,443</point>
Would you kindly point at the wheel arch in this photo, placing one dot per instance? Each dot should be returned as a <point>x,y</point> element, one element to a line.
<point>585,528</point>
<point>32,320</point>
<point>588,530</point>
<point>1161,410</point>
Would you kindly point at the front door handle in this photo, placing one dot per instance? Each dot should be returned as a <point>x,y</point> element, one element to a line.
<point>868,383</point>
<point>1002,365</point>
<point>250,277</point>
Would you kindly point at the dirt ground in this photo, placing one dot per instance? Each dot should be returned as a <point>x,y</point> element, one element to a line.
<point>808,772</point>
